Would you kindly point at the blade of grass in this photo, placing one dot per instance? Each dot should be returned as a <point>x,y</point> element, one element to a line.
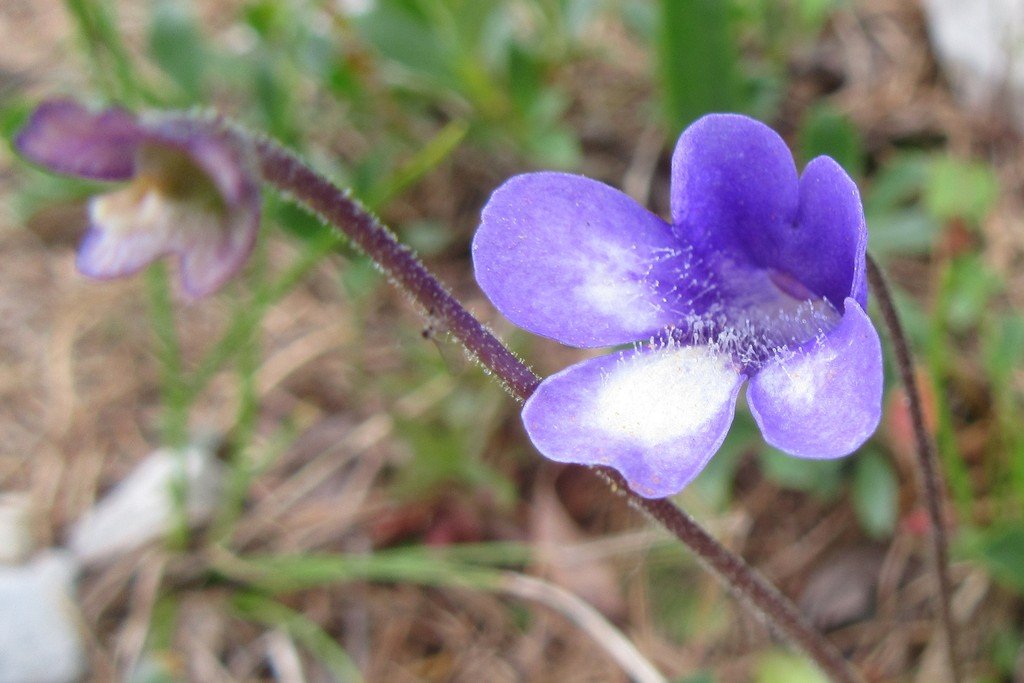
<point>696,60</point>
<point>285,574</point>
<point>255,607</point>
<point>426,159</point>
<point>939,355</point>
<point>175,394</point>
<point>111,63</point>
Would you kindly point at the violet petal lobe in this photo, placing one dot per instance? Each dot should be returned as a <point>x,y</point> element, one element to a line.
<point>573,259</point>
<point>826,251</point>
<point>211,258</point>
<point>128,229</point>
<point>825,400</point>
<point>210,254</point>
<point>656,416</point>
<point>734,184</point>
<point>65,137</point>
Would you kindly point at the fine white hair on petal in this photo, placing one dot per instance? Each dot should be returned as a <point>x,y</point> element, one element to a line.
<point>656,397</point>
<point>799,376</point>
<point>613,282</point>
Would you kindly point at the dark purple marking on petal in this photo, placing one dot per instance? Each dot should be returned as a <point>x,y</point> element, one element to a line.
<point>65,137</point>
<point>575,260</point>
<point>825,400</point>
<point>655,416</point>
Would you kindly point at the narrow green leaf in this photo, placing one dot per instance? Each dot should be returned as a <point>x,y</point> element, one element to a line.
<point>306,632</point>
<point>697,60</point>
<point>960,189</point>
<point>827,131</point>
<point>998,549</point>
<point>177,46</point>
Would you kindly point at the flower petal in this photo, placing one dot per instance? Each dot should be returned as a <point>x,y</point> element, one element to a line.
<point>573,259</point>
<point>826,400</point>
<point>827,251</point>
<point>212,253</point>
<point>65,137</point>
<point>214,149</point>
<point>655,416</point>
<point>128,229</point>
<point>733,181</point>
<point>212,256</point>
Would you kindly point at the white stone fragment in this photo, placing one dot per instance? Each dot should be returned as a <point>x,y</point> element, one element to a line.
<point>40,640</point>
<point>15,528</point>
<point>980,44</point>
<point>141,508</point>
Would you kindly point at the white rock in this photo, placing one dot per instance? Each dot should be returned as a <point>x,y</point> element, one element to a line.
<point>39,637</point>
<point>140,508</point>
<point>980,44</point>
<point>15,528</point>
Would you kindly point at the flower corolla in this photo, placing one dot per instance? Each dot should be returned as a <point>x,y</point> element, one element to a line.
<point>191,191</point>
<point>759,278</point>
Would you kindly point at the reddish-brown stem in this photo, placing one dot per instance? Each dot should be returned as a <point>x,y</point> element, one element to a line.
<point>289,174</point>
<point>927,460</point>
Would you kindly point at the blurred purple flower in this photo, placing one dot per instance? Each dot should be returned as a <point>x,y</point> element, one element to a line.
<point>191,192</point>
<point>760,276</point>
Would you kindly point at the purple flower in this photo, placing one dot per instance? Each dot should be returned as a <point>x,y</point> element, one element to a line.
<point>759,277</point>
<point>191,192</point>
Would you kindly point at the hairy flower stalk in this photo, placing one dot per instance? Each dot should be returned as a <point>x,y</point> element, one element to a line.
<point>927,461</point>
<point>288,173</point>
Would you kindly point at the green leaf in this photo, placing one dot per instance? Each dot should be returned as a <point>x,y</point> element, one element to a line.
<point>813,13</point>
<point>972,286</point>
<point>782,667</point>
<point>696,60</point>
<point>403,37</point>
<point>822,478</point>
<point>897,184</point>
<point>714,483</point>
<point>905,231</point>
<point>875,494</point>
<point>307,632</point>
<point>960,189</point>
<point>555,148</point>
<point>177,46</point>
<point>274,98</point>
<point>827,131</point>
<point>1000,550</point>
<point>1001,347</point>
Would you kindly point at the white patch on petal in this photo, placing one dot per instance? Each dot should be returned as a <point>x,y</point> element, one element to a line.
<point>139,224</point>
<point>612,282</point>
<point>659,396</point>
<point>800,379</point>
